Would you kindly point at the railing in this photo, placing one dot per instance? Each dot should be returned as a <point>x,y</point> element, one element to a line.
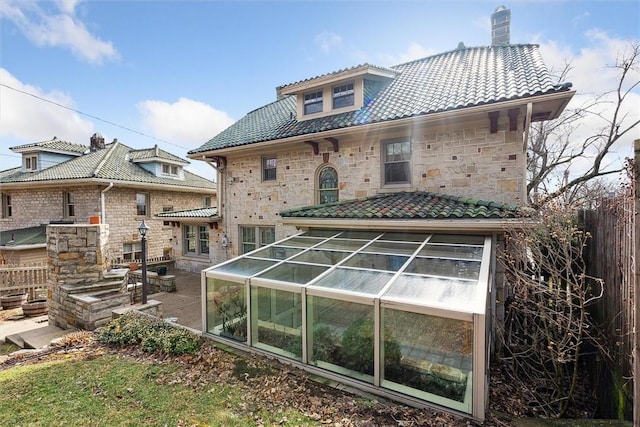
<point>151,262</point>
<point>18,279</point>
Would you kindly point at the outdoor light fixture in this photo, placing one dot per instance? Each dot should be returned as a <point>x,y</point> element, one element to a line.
<point>143,228</point>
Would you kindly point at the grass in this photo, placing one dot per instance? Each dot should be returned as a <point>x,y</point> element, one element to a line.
<point>109,390</point>
<point>7,348</point>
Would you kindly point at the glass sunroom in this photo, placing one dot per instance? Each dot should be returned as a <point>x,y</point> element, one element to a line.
<point>403,315</point>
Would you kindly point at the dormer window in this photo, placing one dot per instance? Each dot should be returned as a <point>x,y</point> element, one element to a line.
<point>343,96</point>
<point>313,102</point>
<point>31,163</point>
<point>170,170</point>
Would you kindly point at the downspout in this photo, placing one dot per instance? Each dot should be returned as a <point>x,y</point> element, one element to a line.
<point>525,144</point>
<point>103,204</point>
<point>221,184</point>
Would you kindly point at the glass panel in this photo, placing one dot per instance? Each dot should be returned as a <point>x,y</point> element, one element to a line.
<point>226,309</point>
<point>315,256</point>
<point>276,252</point>
<point>451,251</point>
<point>445,267</point>
<point>428,354</point>
<point>340,337</point>
<point>377,261</point>
<point>294,273</point>
<point>355,234</point>
<point>301,242</point>
<point>392,248</point>
<point>346,279</point>
<point>245,267</point>
<point>344,244</point>
<point>267,235</point>
<point>456,238</point>
<point>406,237</point>
<point>316,232</point>
<point>276,318</point>
<point>460,295</point>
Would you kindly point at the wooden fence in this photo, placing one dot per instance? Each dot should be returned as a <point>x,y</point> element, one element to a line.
<point>29,279</point>
<point>611,257</point>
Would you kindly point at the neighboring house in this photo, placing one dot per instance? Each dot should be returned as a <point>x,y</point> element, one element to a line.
<point>401,180</point>
<point>62,182</point>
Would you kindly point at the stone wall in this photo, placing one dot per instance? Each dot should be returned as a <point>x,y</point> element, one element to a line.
<point>461,159</point>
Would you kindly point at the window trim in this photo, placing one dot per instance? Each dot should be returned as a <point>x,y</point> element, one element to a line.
<point>31,163</point>
<point>198,239</point>
<point>319,190</point>
<point>135,253</point>
<point>383,158</point>
<point>343,94</point>
<point>307,100</point>
<point>147,205</point>
<point>69,205</point>
<point>7,206</point>
<point>265,160</point>
<point>172,170</point>
<point>258,236</point>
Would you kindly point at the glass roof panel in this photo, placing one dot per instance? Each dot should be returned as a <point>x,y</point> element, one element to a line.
<point>294,273</point>
<point>392,248</point>
<point>445,267</point>
<point>347,279</point>
<point>319,232</point>
<point>315,256</point>
<point>459,295</point>
<point>405,237</point>
<point>457,238</point>
<point>360,234</point>
<point>276,252</point>
<point>301,242</point>
<point>343,244</point>
<point>377,261</point>
<point>244,266</point>
<point>452,251</point>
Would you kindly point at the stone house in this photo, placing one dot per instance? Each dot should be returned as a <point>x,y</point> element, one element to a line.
<point>378,194</point>
<point>63,182</point>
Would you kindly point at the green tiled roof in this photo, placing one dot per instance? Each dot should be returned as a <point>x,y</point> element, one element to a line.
<point>449,81</point>
<point>110,163</point>
<point>24,236</point>
<point>407,205</point>
<point>53,145</point>
<point>190,213</point>
<point>155,153</point>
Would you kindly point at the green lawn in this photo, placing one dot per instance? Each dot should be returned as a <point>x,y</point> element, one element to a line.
<point>113,391</point>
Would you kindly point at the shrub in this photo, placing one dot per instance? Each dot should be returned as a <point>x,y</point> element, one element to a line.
<point>150,333</point>
<point>357,347</point>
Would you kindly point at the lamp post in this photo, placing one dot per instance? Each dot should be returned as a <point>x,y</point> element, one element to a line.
<point>143,228</point>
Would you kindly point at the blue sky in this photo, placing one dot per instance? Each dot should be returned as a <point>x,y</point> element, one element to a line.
<point>175,73</point>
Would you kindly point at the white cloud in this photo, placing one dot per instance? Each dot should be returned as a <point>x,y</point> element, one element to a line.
<point>328,40</point>
<point>186,122</point>
<point>413,51</point>
<point>57,28</point>
<point>27,119</point>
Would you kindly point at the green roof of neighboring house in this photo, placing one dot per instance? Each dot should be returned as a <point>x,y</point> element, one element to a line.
<point>24,236</point>
<point>155,153</point>
<point>448,81</point>
<point>111,163</point>
<point>209,213</point>
<point>53,145</point>
<point>407,205</point>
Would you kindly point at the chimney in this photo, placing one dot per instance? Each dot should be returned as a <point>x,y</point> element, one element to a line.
<point>500,26</point>
<point>97,142</point>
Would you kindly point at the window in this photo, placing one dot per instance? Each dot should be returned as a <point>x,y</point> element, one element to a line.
<point>313,102</point>
<point>196,240</point>
<point>206,202</point>
<point>31,163</point>
<point>269,168</point>
<point>69,204</point>
<point>170,170</point>
<point>132,251</point>
<point>142,204</point>
<point>255,237</point>
<point>167,209</point>
<point>397,162</point>
<point>327,185</point>
<point>7,208</point>
<point>343,96</point>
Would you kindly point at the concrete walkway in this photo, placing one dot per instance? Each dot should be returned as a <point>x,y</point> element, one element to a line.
<point>182,307</point>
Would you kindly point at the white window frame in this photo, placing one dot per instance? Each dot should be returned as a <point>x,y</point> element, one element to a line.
<point>206,202</point>
<point>343,92</point>
<point>199,235</point>
<point>388,163</point>
<point>7,207</point>
<point>31,163</point>
<point>145,205</point>
<point>170,170</point>
<point>69,204</point>
<point>259,240</point>
<point>311,101</point>
<point>266,166</point>
<point>132,251</point>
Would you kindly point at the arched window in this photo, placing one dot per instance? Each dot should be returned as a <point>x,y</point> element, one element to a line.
<point>327,185</point>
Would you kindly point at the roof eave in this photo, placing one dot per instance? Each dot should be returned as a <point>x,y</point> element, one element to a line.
<point>23,247</point>
<point>105,181</point>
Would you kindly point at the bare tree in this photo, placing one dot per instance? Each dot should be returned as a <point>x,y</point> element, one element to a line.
<point>554,147</point>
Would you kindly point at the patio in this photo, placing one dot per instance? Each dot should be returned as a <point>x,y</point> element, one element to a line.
<point>185,303</point>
